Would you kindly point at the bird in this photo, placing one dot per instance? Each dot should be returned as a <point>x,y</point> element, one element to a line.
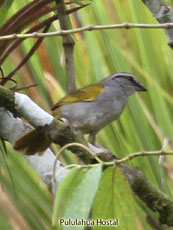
<point>87,110</point>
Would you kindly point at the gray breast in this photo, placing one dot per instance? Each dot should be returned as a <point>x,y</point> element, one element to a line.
<point>87,117</point>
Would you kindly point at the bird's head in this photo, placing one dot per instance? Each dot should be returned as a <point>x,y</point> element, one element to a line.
<point>126,81</point>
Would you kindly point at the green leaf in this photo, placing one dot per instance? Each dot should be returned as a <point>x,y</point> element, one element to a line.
<point>64,190</point>
<point>79,204</point>
<point>4,10</point>
<point>29,195</point>
<point>114,202</point>
<point>76,194</point>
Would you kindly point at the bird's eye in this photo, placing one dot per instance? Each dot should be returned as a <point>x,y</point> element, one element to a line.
<point>130,79</point>
<point>113,77</point>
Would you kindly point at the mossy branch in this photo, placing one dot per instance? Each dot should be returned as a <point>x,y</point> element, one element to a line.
<point>8,101</point>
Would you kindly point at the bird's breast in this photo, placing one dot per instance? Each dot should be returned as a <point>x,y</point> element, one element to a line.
<point>87,117</point>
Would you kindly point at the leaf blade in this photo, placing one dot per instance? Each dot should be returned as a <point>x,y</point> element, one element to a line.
<point>84,194</point>
<point>114,201</point>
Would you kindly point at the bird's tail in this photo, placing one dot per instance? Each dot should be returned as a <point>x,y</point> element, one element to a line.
<point>32,142</point>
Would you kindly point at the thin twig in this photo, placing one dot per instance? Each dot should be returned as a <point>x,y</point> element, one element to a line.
<point>88,28</point>
<point>161,152</point>
<point>72,145</point>
<point>142,154</point>
<point>111,163</point>
<point>25,87</point>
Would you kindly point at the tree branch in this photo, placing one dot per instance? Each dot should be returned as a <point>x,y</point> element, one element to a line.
<point>68,44</point>
<point>125,25</point>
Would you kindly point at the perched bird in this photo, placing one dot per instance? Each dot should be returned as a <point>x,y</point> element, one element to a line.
<point>87,110</point>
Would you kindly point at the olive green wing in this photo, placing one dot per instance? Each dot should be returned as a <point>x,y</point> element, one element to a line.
<point>85,94</point>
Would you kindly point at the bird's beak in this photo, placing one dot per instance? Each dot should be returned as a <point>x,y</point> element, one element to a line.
<point>140,87</point>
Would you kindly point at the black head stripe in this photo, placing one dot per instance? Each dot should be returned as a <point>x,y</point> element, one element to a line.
<point>123,75</point>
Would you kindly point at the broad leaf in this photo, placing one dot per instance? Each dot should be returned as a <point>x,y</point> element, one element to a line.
<point>79,204</point>
<point>77,193</point>
<point>114,202</point>
<point>64,191</point>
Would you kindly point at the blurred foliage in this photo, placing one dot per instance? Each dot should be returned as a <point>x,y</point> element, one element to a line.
<point>147,118</point>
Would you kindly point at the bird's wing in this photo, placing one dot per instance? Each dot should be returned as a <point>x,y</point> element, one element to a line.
<point>85,94</point>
